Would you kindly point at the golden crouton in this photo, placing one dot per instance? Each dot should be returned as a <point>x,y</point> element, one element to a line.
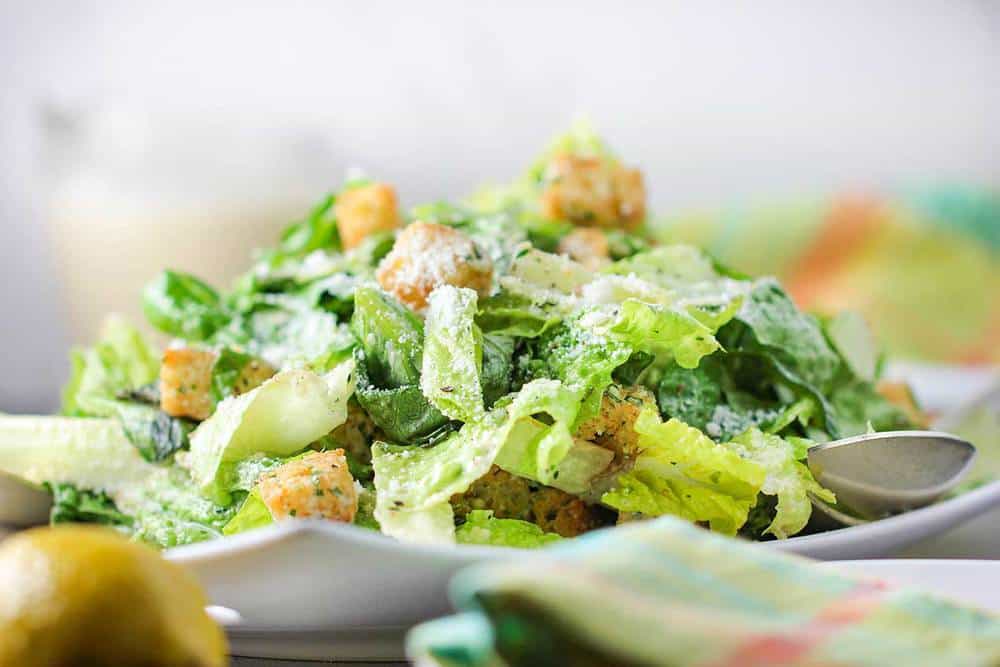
<point>318,486</point>
<point>428,255</point>
<point>186,381</point>
<point>592,191</point>
<point>512,497</point>
<point>365,210</point>
<point>586,245</point>
<point>612,428</point>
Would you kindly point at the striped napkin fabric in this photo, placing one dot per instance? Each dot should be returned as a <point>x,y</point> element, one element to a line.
<point>664,592</point>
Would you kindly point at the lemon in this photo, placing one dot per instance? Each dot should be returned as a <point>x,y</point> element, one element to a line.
<point>82,595</point>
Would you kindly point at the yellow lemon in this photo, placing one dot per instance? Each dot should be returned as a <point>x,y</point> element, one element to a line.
<point>83,595</point>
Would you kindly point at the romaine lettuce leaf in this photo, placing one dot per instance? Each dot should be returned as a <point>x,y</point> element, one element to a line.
<point>664,331</point>
<point>91,454</point>
<point>73,505</point>
<point>168,511</point>
<point>317,231</point>
<point>668,266</point>
<point>154,433</point>
<point>278,418</point>
<point>791,337</point>
<point>528,454</point>
<point>581,359</point>
<point>181,305</point>
<point>389,357</point>
<point>452,356</point>
<point>121,361</point>
<point>481,527</point>
<point>403,413</point>
<point>681,471</point>
<point>391,337</point>
<point>550,271</point>
<point>413,485</point>
<point>690,395</point>
<point>253,513</point>
<point>513,314</point>
<point>787,478</point>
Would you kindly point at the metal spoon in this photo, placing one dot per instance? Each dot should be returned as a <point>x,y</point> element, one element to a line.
<point>880,474</point>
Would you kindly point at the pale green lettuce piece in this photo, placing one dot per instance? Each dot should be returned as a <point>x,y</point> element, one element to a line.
<point>413,485</point>
<point>167,510</point>
<point>683,472</point>
<point>121,360</point>
<point>550,271</point>
<point>525,455</point>
<point>253,514</point>
<point>481,527</point>
<point>668,266</point>
<point>787,478</point>
<point>89,453</point>
<point>665,331</point>
<point>452,355</point>
<point>435,524</point>
<point>278,418</point>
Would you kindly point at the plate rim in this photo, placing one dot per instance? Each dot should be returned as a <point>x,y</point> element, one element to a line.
<point>964,505</point>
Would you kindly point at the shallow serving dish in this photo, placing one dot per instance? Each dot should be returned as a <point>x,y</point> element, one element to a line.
<point>312,574</point>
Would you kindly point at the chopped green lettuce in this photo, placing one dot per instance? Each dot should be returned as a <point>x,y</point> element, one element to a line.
<point>527,453</point>
<point>452,356</point>
<point>91,454</point>
<point>391,337</point>
<point>403,413</point>
<point>389,357</point>
<point>665,332</point>
<point>413,485</point>
<point>787,478</point>
<point>121,361</point>
<point>513,314</point>
<point>690,395</point>
<point>681,471</point>
<point>167,510</point>
<point>73,505</point>
<point>668,266</point>
<point>317,231</point>
<point>253,514</point>
<point>549,271</point>
<point>481,527</point>
<point>181,305</point>
<point>278,418</point>
<point>226,371</point>
<point>154,433</point>
<point>786,334</point>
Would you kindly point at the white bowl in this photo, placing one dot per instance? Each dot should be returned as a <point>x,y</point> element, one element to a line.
<point>310,574</point>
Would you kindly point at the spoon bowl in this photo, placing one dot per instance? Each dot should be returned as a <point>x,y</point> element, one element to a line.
<point>879,474</point>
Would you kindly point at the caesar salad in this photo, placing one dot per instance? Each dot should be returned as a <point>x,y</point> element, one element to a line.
<point>514,369</point>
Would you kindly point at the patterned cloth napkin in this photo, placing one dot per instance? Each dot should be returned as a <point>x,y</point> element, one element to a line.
<point>665,592</point>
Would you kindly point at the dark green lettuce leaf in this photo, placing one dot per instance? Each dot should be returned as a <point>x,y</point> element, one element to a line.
<point>402,412</point>
<point>498,369</point>
<point>181,305</point>
<point>154,433</point>
<point>73,505</point>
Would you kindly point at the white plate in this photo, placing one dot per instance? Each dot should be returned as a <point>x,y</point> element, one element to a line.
<point>306,574</point>
<point>973,582</point>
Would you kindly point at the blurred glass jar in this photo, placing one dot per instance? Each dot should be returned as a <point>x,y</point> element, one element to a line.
<point>131,192</point>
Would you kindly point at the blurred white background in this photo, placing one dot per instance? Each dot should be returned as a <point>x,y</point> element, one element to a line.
<point>716,101</point>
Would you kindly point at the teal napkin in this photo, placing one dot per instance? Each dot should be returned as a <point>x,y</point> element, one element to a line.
<point>665,592</point>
